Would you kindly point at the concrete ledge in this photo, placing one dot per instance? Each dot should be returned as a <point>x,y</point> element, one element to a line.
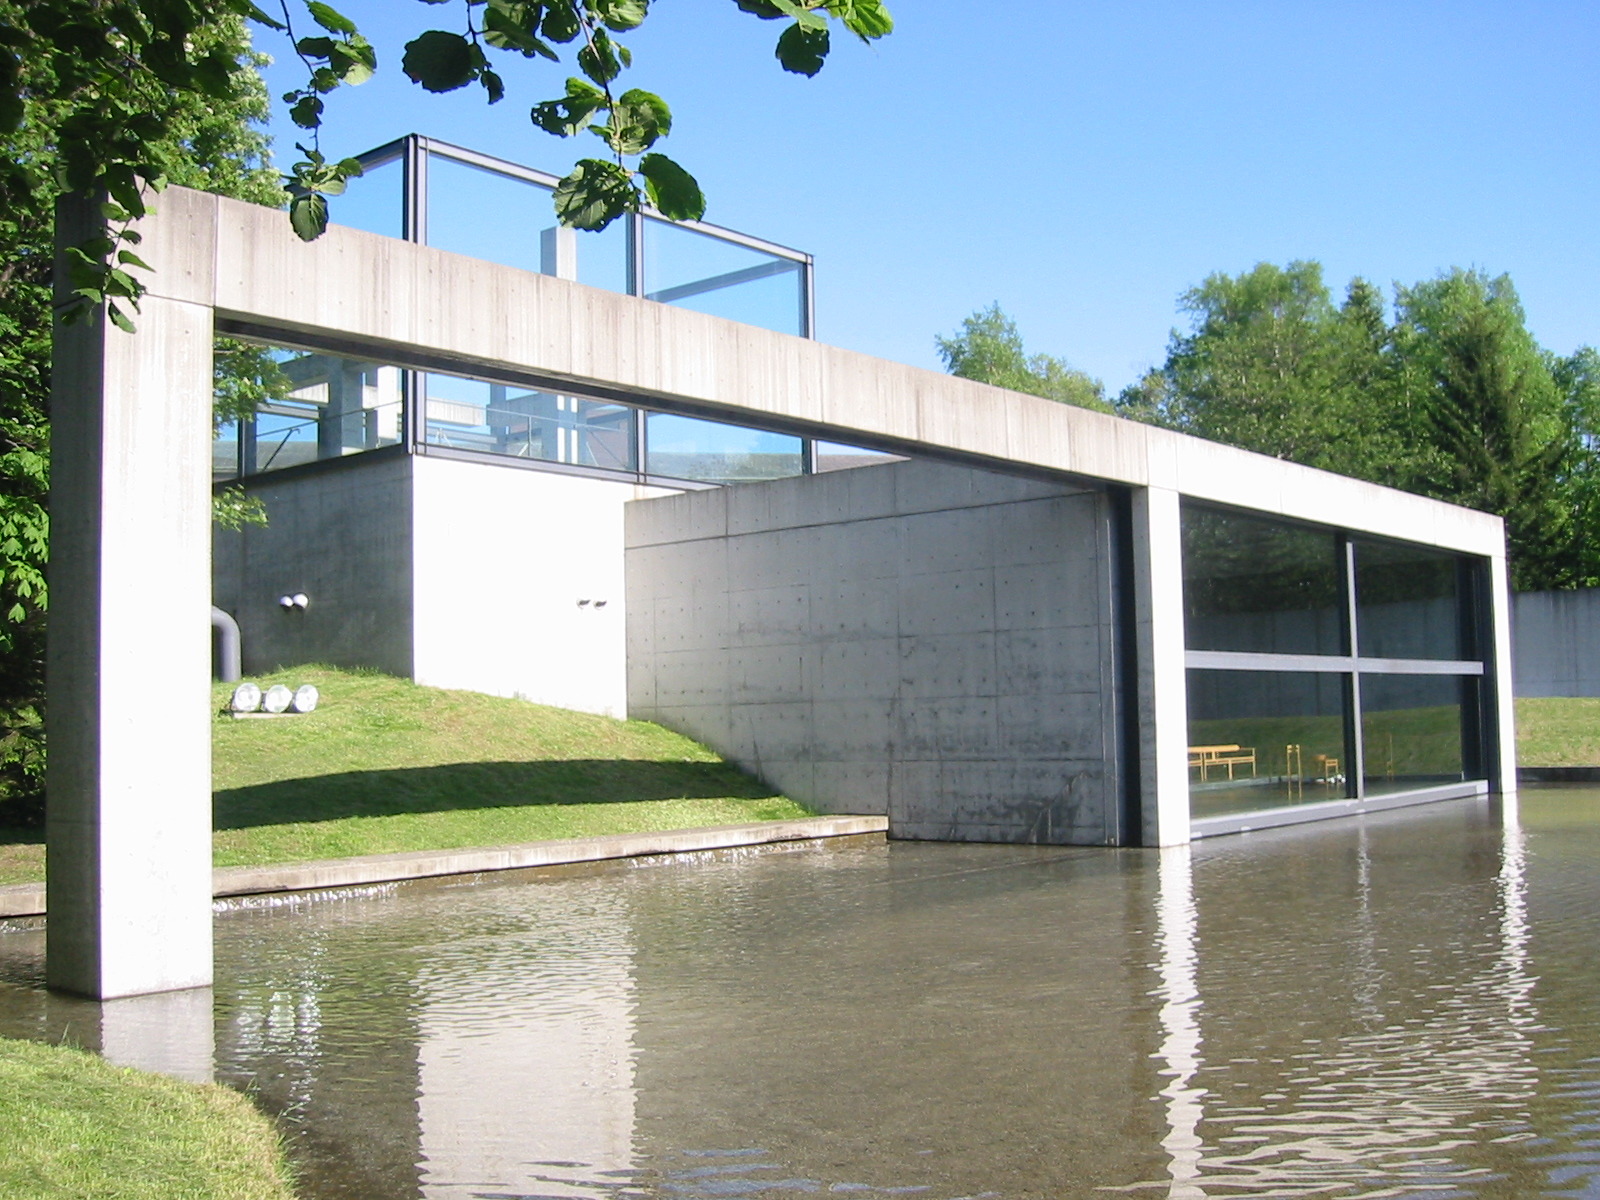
<point>1558,774</point>
<point>27,899</point>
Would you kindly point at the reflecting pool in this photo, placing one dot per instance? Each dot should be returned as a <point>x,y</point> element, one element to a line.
<point>1404,1005</point>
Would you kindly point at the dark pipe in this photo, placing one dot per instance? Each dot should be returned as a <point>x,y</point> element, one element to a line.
<point>230,664</point>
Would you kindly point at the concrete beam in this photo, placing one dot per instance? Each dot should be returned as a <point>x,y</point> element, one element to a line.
<point>129,788</point>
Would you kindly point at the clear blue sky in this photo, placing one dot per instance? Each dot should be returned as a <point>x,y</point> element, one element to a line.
<point>1083,164</point>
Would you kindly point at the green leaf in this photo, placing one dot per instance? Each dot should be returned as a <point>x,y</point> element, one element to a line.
<point>439,61</point>
<point>560,22</point>
<point>355,61</point>
<point>307,112</point>
<point>765,9</point>
<point>638,119</point>
<point>808,18</point>
<point>620,15</point>
<point>329,18</point>
<point>671,189</point>
<point>493,84</point>
<point>255,13</point>
<point>314,47</point>
<point>803,50</point>
<point>308,215</point>
<point>120,319</point>
<point>598,60</point>
<point>129,258</point>
<point>595,194</point>
<point>868,20</point>
<point>570,115</point>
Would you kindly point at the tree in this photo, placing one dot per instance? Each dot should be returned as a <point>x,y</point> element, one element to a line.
<point>1453,398</point>
<point>204,144</point>
<point>1271,364</point>
<point>116,60</point>
<point>1500,427</point>
<point>988,348</point>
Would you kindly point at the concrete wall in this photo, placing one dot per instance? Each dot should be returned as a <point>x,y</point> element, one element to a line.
<point>456,574</point>
<point>1556,643</point>
<point>518,583</point>
<point>928,641</point>
<point>343,537</point>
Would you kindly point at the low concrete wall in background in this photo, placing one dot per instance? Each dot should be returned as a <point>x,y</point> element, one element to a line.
<point>1555,643</point>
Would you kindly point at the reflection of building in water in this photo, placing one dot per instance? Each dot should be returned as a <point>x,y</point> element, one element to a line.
<point>525,1055</point>
<point>329,1050</point>
<point>1420,1015</point>
<point>964,1024</point>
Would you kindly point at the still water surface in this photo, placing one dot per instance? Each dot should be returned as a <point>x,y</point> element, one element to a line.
<point>1404,1006</point>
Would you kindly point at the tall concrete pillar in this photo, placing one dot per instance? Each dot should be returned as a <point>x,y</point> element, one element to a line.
<point>128,674</point>
<point>1163,684</point>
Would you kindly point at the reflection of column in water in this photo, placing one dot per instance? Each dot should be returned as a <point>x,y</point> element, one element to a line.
<point>525,1057</point>
<point>169,1032</point>
<point>1180,1024</point>
<point>1517,979</point>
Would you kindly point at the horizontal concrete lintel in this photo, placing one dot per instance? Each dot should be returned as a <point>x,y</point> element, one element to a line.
<point>27,899</point>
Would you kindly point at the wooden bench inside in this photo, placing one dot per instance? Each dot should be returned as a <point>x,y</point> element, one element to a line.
<point>1230,756</point>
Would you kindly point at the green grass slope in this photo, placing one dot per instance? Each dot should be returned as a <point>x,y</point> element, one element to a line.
<point>384,765</point>
<point>76,1126</point>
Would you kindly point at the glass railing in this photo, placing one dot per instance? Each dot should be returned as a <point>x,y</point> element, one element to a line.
<point>474,204</point>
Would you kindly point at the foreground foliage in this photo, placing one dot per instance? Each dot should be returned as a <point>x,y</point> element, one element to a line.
<point>76,1126</point>
<point>197,141</point>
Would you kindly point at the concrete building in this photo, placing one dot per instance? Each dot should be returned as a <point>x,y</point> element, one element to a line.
<point>990,616</point>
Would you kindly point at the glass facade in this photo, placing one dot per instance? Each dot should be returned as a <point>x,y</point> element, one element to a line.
<point>1261,586</point>
<point>711,452</point>
<point>1410,602</point>
<point>318,406</point>
<point>1265,739</point>
<point>499,211</point>
<point>1325,666</point>
<point>325,406</point>
<point>1414,731</point>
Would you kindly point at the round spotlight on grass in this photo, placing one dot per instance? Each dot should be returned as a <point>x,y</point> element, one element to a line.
<point>305,698</point>
<point>277,699</point>
<point>246,698</point>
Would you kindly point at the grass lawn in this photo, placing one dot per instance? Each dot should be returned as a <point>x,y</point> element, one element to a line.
<point>385,765</point>
<point>1559,732</point>
<point>77,1126</point>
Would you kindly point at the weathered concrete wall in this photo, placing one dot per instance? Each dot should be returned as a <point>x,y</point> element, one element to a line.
<point>343,537</point>
<point>929,641</point>
<point>518,583</point>
<point>1556,642</point>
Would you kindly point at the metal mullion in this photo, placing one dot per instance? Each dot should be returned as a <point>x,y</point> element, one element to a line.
<point>635,233</point>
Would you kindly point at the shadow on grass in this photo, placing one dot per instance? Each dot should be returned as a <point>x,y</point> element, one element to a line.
<point>478,785</point>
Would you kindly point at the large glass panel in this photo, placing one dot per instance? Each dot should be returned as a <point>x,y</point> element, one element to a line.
<point>1408,602</point>
<point>493,418</point>
<point>835,456</point>
<point>688,448</point>
<point>696,270</point>
<point>1411,730</point>
<point>307,407</point>
<point>375,201</point>
<point>1251,584</point>
<point>503,219</point>
<point>225,451</point>
<point>1264,739</point>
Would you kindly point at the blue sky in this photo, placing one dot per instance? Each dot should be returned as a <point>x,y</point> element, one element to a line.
<point>1084,164</point>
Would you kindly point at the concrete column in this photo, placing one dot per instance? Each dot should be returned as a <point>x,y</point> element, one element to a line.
<point>1504,686</point>
<point>129,788</point>
<point>1163,694</point>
